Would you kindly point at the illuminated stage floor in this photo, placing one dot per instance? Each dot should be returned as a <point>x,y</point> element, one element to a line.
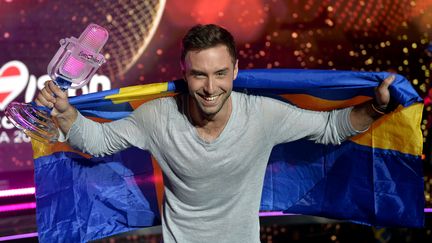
<point>275,229</point>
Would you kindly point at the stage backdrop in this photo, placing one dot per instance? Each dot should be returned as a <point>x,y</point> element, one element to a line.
<point>374,35</point>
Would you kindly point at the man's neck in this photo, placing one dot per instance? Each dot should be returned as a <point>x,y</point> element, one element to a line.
<point>210,127</point>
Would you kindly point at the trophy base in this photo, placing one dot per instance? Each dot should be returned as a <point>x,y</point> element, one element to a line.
<point>35,121</point>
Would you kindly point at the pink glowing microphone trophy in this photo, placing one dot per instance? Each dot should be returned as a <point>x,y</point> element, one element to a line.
<point>72,66</point>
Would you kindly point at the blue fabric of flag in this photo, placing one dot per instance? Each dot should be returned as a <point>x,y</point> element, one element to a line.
<point>370,180</point>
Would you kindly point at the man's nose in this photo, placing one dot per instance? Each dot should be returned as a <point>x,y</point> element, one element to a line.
<point>209,86</point>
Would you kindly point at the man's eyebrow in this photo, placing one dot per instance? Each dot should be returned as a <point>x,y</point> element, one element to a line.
<point>197,72</point>
<point>223,70</point>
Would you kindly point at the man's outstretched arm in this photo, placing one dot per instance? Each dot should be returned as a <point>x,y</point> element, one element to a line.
<point>97,139</point>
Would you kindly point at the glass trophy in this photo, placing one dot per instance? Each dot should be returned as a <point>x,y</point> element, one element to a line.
<point>74,64</point>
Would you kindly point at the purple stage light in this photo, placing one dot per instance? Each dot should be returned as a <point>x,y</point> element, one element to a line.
<point>17,207</point>
<point>17,237</point>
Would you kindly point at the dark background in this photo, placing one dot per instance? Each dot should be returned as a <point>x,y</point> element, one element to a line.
<point>369,35</point>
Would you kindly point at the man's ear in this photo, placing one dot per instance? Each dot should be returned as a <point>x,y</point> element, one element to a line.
<point>235,69</point>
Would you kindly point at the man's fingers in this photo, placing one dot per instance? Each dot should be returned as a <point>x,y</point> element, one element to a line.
<point>47,95</point>
<point>38,103</point>
<point>382,93</point>
<point>57,91</point>
<point>387,82</point>
<point>46,84</point>
<point>48,88</point>
<point>41,101</point>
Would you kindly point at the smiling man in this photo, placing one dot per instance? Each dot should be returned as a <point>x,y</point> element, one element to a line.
<point>209,74</point>
<point>211,143</point>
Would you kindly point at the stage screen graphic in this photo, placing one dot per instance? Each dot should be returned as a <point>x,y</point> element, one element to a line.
<point>369,35</point>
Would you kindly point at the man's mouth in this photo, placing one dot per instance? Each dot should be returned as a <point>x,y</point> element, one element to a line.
<point>210,98</point>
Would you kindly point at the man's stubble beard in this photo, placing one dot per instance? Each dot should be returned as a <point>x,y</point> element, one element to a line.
<point>208,115</point>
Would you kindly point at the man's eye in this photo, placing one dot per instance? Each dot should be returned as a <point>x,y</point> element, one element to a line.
<point>220,74</point>
<point>198,75</point>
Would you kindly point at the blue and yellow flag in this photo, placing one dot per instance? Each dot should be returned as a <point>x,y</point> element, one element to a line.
<point>374,178</point>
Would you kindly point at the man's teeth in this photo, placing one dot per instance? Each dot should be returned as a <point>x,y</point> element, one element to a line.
<point>210,98</point>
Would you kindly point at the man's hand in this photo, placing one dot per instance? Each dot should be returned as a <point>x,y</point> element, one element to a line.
<point>364,114</point>
<point>51,96</point>
<point>382,93</point>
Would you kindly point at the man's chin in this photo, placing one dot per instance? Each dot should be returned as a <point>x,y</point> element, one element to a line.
<point>209,113</point>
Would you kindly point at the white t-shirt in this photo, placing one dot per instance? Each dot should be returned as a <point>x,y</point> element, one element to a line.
<point>212,189</point>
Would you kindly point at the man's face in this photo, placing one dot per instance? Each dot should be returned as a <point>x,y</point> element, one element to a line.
<point>209,74</point>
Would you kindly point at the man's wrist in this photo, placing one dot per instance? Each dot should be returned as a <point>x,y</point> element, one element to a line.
<point>380,109</point>
<point>66,119</point>
<point>69,114</point>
